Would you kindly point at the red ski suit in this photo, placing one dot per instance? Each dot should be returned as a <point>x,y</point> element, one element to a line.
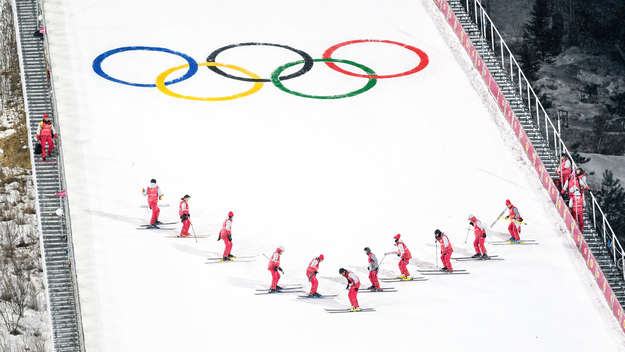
<point>226,235</point>
<point>183,209</point>
<point>564,171</point>
<point>274,265</point>
<point>373,269</point>
<point>311,274</point>
<point>446,251</point>
<point>154,193</point>
<point>576,185</point>
<point>404,255</point>
<point>480,236</point>
<point>45,133</point>
<point>514,228</point>
<point>354,284</point>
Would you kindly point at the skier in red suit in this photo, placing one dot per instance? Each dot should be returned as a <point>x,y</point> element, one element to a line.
<point>404,254</point>
<point>515,219</point>
<point>183,211</point>
<point>564,170</point>
<point>576,185</point>
<point>311,274</point>
<point>274,267</point>
<point>353,283</point>
<point>480,238</point>
<point>45,134</point>
<point>226,235</point>
<point>373,270</point>
<point>446,250</point>
<point>154,194</point>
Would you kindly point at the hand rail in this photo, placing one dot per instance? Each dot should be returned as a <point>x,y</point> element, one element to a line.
<point>486,26</point>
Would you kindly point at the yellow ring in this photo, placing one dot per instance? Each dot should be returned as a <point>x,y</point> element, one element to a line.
<point>160,83</point>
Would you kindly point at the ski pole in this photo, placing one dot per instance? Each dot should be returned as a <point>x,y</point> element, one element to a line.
<point>436,251</point>
<point>467,236</point>
<point>193,228</point>
<point>498,217</point>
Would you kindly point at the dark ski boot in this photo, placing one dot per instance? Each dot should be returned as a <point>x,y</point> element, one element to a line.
<point>485,257</point>
<point>476,255</point>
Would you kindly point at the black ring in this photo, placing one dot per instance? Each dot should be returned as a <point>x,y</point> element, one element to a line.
<point>308,62</point>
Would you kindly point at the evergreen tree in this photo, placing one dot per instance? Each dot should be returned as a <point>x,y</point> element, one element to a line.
<point>537,33</point>
<point>611,198</point>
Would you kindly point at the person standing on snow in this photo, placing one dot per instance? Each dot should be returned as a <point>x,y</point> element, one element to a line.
<point>154,194</point>
<point>373,270</point>
<point>515,222</point>
<point>226,235</point>
<point>183,211</point>
<point>311,274</point>
<point>446,250</point>
<point>274,267</point>
<point>45,134</point>
<point>404,257</point>
<point>353,283</point>
<point>480,238</point>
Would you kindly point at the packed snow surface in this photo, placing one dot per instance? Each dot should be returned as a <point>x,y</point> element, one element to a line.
<point>410,155</point>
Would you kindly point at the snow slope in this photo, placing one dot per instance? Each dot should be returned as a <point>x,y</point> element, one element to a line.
<point>412,154</point>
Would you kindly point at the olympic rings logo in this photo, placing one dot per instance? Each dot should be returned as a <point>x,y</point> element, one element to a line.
<point>276,77</point>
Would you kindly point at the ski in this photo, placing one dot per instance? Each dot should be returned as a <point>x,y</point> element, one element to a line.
<point>510,241</point>
<point>492,256</point>
<point>347,310</point>
<point>447,273</point>
<point>522,243</point>
<point>162,223</point>
<point>229,261</point>
<point>438,271</point>
<point>313,297</point>
<point>383,290</point>
<point>187,237</point>
<point>234,257</point>
<point>286,288</point>
<point>155,228</point>
<point>267,292</point>
<point>512,220</point>
<point>478,259</point>
<point>390,279</point>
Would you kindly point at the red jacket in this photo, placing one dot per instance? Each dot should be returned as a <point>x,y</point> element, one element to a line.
<point>153,193</point>
<point>226,229</point>
<point>478,228</point>
<point>403,251</point>
<point>274,261</point>
<point>564,170</point>
<point>514,213</point>
<point>183,208</point>
<point>445,244</point>
<point>352,279</point>
<point>313,266</point>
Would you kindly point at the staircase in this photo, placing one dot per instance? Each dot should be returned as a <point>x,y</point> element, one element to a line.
<point>595,240</point>
<point>63,301</point>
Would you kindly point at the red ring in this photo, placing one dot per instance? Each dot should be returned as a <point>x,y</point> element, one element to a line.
<point>424,60</point>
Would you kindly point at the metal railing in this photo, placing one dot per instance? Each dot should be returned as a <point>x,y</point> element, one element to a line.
<point>491,35</point>
<point>61,164</point>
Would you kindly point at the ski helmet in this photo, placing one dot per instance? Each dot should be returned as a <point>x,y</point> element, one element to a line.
<point>153,181</point>
<point>397,237</point>
<point>437,233</point>
<point>579,171</point>
<point>230,214</point>
<point>342,271</point>
<point>470,217</point>
<point>185,197</point>
<point>508,203</point>
<point>367,249</point>
<point>281,248</point>
<point>321,257</point>
<point>45,115</point>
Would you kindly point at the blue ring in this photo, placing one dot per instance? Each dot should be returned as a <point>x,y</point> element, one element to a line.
<point>97,64</point>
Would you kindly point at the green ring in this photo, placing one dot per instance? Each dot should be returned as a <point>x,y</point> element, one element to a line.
<point>275,78</point>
